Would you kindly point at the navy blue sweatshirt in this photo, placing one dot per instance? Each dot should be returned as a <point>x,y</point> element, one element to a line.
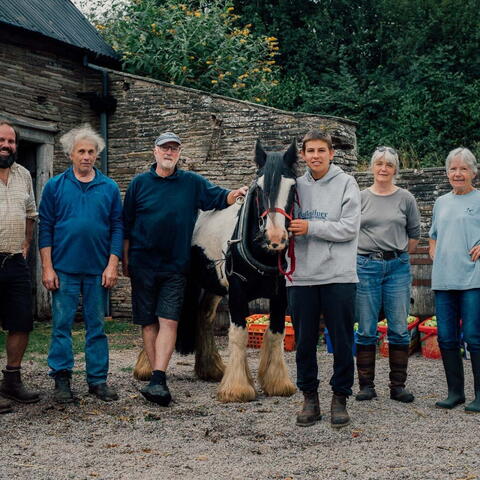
<point>83,227</point>
<point>159,216</point>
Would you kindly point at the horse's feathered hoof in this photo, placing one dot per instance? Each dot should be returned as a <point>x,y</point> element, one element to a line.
<point>142,370</point>
<point>246,394</point>
<point>284,389</point>
<point>213,373</point>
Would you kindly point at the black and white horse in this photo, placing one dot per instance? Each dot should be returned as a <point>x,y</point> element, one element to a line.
<point>241,251</point>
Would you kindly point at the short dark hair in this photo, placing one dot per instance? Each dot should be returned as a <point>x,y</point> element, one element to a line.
<point>13,127</point>
<point>315,134</point>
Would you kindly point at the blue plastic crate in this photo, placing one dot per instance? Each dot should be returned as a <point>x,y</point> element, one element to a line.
<point>328,341</point>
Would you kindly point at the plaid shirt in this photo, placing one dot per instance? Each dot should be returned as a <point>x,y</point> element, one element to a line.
<point>17,203</point>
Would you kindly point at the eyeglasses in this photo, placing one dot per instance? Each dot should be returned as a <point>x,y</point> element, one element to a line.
<point>387,149</point>
<point>166,148</point>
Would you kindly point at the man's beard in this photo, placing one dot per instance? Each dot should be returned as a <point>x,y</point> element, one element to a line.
<point>7,162</point>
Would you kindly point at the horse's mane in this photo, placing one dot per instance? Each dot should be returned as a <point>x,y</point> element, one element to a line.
<point>273,169</point>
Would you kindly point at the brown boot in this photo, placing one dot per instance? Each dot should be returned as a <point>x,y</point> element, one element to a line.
<point>339,415</point>
<point>5,405</point>
<point>366,371</point>
<point>398,357</point>
<point>13,388</point>
<point>310,412</point>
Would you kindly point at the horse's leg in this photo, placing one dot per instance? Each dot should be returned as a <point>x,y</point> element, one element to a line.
<point>273,373</point>
<point>208,363</point>
<point>143,370</point>
<point>237,383</point>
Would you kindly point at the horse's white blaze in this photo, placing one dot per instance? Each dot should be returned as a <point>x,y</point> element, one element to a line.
<point>275,230</point>
<point>212,232</point>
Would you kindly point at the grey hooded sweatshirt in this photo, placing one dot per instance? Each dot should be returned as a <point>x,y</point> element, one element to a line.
<point>327,253</point>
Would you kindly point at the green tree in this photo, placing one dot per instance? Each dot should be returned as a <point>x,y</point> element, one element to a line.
<point>200,44</point>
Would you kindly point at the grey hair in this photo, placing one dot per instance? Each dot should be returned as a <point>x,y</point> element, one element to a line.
<point>467,157</point>
<point>389,156</point>
<point>83,132</point>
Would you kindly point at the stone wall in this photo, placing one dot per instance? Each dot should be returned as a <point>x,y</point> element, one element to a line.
<point>219,135</point>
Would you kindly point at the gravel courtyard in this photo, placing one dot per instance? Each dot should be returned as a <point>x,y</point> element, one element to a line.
<point>199,438</point>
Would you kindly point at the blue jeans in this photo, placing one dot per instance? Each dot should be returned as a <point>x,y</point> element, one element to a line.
<point>383,283</point>
<point>64,307</point>
<point>450,307</point>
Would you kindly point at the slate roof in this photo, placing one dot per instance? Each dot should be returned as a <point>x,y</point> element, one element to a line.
<point>57,19</point>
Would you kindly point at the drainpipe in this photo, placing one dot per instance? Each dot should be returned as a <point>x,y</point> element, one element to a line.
<point>103,105</point>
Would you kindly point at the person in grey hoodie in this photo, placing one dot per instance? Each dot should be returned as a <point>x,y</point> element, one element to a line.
<point>324,282</point>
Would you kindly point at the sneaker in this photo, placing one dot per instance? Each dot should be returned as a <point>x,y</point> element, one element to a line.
<point>158,393</point>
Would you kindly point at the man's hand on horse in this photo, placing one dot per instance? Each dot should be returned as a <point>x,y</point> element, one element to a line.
<point>234,194</point>
<point>298,227</point>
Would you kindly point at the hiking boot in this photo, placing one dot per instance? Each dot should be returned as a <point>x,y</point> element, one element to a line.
<point>474,407</point>
<point>453,365</point>
<point>310,412</point>
<point>398,358</point>
<point>63,393</point>
<point>103,392</point>
<point>5,405</point>
<point>339,415</point>
<point>157,393</point>
<point>366,372</point>
<point>13,388</point>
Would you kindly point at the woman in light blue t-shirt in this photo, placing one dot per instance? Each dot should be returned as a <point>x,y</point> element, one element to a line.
<point>455,251</point>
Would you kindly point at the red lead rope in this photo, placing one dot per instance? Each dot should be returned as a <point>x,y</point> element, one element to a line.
<point>291,255</point>
<point>291,243</point>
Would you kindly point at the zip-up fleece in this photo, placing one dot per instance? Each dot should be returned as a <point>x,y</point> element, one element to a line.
<point>83,227</point>
<point>327,253</point>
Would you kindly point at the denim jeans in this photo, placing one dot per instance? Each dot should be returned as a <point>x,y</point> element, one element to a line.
<point>64,307</point>
<point>450,307</point>
<point>337,302</point>
<point>383,283</point>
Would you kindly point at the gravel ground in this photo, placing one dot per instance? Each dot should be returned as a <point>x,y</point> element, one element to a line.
<point>199,438</point>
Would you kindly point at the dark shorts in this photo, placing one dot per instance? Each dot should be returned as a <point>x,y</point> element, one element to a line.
<point>15,294</point>
<point>156,294</point>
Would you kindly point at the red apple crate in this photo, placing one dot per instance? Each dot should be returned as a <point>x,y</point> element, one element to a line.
<point>429,341</point>
<point>257,330</point>
<point>383,339</point>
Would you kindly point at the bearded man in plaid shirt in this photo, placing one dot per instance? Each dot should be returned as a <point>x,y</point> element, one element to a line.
<point>18,214</point>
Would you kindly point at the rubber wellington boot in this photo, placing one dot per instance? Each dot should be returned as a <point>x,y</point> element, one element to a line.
<point>366,372</point>
<point>338,411</point>
<point>398,357</point>
<point>453,365</point>
<point>310,412</point>
<point>474,407</point>
<point>12,387</point>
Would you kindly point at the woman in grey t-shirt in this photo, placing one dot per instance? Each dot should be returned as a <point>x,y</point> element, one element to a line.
<point>389,229</point>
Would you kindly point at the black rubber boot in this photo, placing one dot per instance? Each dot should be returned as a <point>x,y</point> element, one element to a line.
<point>338,411</point>
<point>366,371</point>
<point>310,412</point>
<point>63,393</point>
<point>398,357</point>
<point>474,407</point>
<point>13,388</point>
<point>453,365</point>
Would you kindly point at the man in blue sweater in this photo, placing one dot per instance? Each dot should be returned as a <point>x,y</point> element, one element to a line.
<point>80,240</point>
<point>160,211</point>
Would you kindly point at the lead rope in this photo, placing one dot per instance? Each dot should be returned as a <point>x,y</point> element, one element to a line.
<point>291,249</point>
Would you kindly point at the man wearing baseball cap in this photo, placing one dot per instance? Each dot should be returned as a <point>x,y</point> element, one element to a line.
<point>160,210</point>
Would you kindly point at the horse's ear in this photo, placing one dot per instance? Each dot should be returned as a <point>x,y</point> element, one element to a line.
<point>291,155</point>
<point>260,154</point>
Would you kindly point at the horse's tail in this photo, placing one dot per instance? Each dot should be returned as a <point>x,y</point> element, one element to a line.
<point>187,326</point>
